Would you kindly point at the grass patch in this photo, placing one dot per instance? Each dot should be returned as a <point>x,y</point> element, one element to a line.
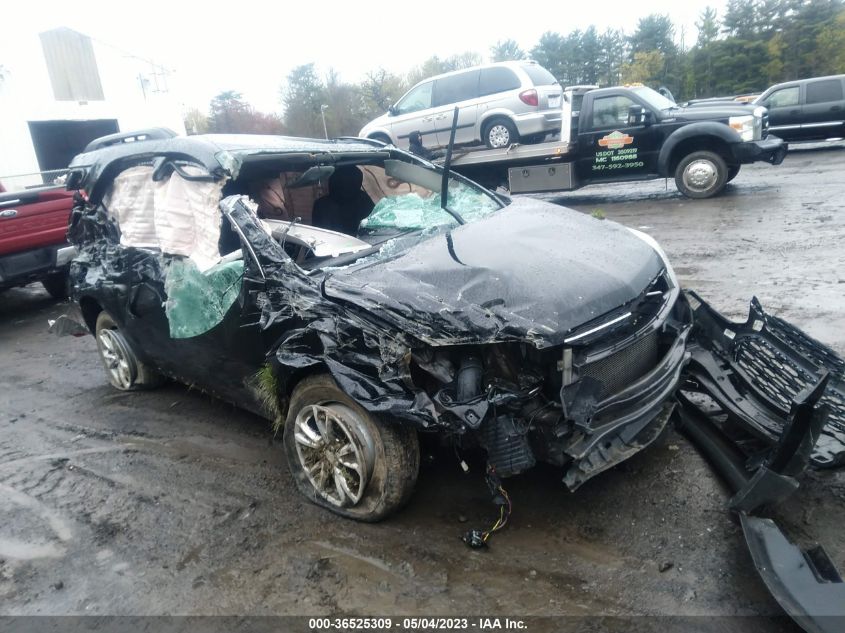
<point>598,214</point>
<point>266,384</point>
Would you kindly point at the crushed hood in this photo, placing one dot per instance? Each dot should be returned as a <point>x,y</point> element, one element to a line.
<point>531,272</point>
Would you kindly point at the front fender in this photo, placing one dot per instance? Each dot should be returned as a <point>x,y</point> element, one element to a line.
<point>708,131</point>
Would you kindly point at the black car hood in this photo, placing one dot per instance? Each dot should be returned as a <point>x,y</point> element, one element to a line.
<point>531,272</point>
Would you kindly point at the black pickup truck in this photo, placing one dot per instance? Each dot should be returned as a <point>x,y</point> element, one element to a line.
<point>632,133</point>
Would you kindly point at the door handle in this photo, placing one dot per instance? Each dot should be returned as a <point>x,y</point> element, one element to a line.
<point>427,119</point>
<point>835,108</point>
<point>793,112</point>
<point>8,213</point>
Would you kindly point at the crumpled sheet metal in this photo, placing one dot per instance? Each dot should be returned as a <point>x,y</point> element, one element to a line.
<point>362,321</point>
<point>369,362</point>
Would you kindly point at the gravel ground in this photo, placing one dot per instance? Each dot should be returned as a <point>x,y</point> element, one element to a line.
<point>169,502</point>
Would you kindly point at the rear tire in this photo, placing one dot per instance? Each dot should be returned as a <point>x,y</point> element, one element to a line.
<point>124,369</point>
<point>57,284</point>
<point>500,133</point>
<point>345,459</point>
<point>701,174</point>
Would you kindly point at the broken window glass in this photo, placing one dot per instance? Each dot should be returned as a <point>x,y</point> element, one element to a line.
<point>197,301</point>
<point>412,211</point>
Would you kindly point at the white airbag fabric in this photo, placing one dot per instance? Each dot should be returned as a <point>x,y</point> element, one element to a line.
<point>177,216</point>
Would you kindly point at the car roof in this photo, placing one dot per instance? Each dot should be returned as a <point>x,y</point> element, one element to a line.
<point>796,82</point>
<point>519,63</point>
<point>220,154</point>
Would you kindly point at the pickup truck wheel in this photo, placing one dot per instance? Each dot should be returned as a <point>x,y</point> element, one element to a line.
<point>733,172</point>
<point>57,284</point>
<point>500,133</point>
<point>123,368</point>
<point>345,459</point>
<point>701,174</point>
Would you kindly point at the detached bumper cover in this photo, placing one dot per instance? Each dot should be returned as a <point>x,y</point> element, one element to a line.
<point>756,369</point>
<point>761,401</point>
<point>772,150</point>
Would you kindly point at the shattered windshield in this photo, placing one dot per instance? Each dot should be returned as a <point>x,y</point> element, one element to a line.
<point>416,211</point>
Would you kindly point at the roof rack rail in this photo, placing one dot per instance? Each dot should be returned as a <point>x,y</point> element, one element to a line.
<point>151,134</point>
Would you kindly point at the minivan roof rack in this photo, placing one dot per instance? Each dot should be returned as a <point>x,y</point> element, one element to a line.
<point>150,134</point>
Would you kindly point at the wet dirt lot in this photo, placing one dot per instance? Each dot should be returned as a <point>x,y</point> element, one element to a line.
<point>169,502</point>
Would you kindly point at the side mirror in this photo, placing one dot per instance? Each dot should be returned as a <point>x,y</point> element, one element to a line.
<point>392,110</point>
<point>639,115</point>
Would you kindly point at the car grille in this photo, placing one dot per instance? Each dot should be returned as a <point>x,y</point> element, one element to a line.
<point>620,369</point>
<point>780,379</point>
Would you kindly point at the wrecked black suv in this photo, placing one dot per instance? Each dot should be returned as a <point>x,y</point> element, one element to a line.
<point>358,296</point>
<point>535,331</point>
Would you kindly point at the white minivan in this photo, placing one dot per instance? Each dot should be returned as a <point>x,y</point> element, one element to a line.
<point>500,104</point>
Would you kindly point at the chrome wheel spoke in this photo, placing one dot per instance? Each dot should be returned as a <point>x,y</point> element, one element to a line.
<point>335,452</point>
<point>116,358</point>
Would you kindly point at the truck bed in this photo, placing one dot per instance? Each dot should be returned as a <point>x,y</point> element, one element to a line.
<point>514,155</point>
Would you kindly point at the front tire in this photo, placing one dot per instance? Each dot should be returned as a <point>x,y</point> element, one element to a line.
<point>701,174</point>
<point>344,458</point>
<point>124,369</point>
<point>381,137</point>
<point>500,133</point>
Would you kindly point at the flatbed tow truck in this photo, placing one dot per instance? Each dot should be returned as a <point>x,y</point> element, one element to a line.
<point>628,133</point>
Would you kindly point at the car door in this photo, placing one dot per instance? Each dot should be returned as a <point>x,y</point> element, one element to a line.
<point>611,145</point>
<point>823,108</point>
<point>458,90</point>
<point>182,306</point>
<point>412,113</point>
<point>785,112</point>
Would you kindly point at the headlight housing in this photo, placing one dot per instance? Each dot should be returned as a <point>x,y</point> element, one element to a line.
<point>749,126</point>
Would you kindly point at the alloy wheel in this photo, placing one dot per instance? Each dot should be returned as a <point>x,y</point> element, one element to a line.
<point>335,450</point>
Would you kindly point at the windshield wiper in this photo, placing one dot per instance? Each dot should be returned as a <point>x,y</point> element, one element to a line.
<point>444,187</point>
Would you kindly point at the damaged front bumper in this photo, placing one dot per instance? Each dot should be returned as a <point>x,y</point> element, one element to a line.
<point>761,400</point>
<point>771,149</point>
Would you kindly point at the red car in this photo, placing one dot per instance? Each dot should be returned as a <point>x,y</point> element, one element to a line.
<point>33,246</point>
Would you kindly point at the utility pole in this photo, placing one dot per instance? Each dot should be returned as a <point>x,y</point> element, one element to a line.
<point>323,109</point>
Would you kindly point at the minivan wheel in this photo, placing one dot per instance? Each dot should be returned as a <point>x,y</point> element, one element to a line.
<point>500,133</point>
<point>344,458</point>
<point>123,368</point>
<point>382,138</point>
<point>701,174</point>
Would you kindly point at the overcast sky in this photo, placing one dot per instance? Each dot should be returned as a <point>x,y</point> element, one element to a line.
<point>251,46</point>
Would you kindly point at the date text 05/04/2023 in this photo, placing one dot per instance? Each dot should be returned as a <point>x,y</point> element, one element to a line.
<point>417,624</point>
